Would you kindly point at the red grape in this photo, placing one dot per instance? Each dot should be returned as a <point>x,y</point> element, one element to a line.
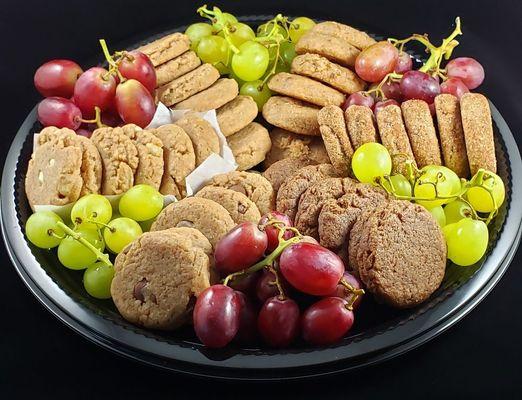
<point>432,109</point>
<point>134,103</point>
<point>342,292</point>
<point>381,104</point>
<point>57,78</point>
<point>308,239</point>
<point>245,283</point>
<point>419,85</point>
<point>59,112</point>
<point>359,99</point>
<point>240,248</point>
<point>247,332</point>
<point>84,132</point>
<point>404,63</point>
<point>376,61</point>
<point>266,287</point>
<point>467,69</point>
<point>392,90</point>
<point>216,315</point>
<point>326,321</point>
<point>278,321</point>
<point>311,268</point>
<point>454,86</point>
<point>272,232</point>
<point>136,65</point>
<point>95,87</point>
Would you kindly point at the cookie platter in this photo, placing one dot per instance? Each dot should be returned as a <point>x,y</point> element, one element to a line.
<point>380,331</point>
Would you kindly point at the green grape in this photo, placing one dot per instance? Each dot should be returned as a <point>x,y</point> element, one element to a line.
<point>251,62</point>
<point>91,209</point>
<point>141,202</point>
<point>456,210</point>
<point>241,33</point>
<point>97,280</point>
<point>236,78</point>
<point>213,50</point>
<point>401,185</point>
<point>438,214</point>
<point>40,228</point>
<point>229,19</point>
<point>299,27</point>
<point>480,199</point>
<point>370,161</point>
<point>259,92</point>
<point>120,232</point>
<point>196,32</point>
<point>467,241</point>
<point>443,179</point>
<point>146,225</point>
<point>287,52</point>
<point>265,30</point>
<point>74,254</point>
<point>281,67</point>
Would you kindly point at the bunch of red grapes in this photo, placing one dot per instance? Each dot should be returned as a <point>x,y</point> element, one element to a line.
<point>123,93</point>
<point>274,271</point>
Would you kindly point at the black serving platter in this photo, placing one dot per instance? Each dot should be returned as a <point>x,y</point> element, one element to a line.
<point>380,332</point>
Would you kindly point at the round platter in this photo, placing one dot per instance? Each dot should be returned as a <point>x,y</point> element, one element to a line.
<point>379,334</point>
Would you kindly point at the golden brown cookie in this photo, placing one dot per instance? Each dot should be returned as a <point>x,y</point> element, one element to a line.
<point>282,169</point>
<point>355,37</point>
<point>250,145</point>
<point>360,125</point>
<point>236,114</point>
<point>334,49</point>
<point>177,67</point>
<point>166,48</point>
<point>291,114</point>
<point>217,95</point>
<point>203,136</point>
<point>238,205</point>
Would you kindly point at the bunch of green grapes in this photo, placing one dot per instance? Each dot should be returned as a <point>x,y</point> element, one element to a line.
<point>249,57</point>
<point>95,228</point>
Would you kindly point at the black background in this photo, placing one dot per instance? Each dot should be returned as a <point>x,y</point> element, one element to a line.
<point>41,358</point>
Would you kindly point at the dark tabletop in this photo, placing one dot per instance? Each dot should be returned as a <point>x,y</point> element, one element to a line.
<point>41,358</point>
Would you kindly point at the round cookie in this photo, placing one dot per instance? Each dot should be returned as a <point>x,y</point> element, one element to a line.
<point>179,159</point>
<point>256,187</point>
<point>338,216</point>
<point>156,278</point>
<point>203,137</point>
<point>119,158</point>
<point>250,145</point>
<point>238,205</point>
<point>236,114</point>
<point>207,216</point>
<point>91,168</point>
<point>282,169</point>
<point>399,252</point>
<point>295,185</point>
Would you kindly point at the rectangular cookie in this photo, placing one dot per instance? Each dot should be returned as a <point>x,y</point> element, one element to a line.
<point>306,89</point>
<point>323,70</point>
<point>421,131</point>
<point>355,37</point>
<point>292,114</point>
<point>176,67</point>
<point>478,132</point>
<point>236,114</point>
<point>187,85</point>
<point>332,48</point>
<point>217,95</point>
<point>451,134</point>
<point>394,137</point>
<point>359,122</point>
<point>166,48</point>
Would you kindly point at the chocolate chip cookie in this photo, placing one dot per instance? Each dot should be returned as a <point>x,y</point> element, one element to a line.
<point>238,205</point>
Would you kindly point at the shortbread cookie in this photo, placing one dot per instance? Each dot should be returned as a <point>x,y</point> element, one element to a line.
<point>355,37</point>
<point>291,114</point>
<point>238,205</point>
<point>282,169</point>
<point>217,95</point>
<point>360,125</point>
<point>250,145</point>
<point>334,49</point>
<point>177,67</point>
<point>203,136</point>
<point>166,48</point>
<point>236,114</point>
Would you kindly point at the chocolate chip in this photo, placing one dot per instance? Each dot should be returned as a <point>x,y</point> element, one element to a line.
<point>241,208</point>
<point>238,188</point>
<point>138,290</point>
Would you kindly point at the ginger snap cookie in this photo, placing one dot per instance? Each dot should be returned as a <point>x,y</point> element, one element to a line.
<point>166,48</point>
<point>330,47</point>
<point>236,114</point>
<point>203,136</point>
<point>360,125</point>
<point>215,96</point>
<point>250,145</point>
<point>282,169</point>
<point>238,205</point>
<point>177,67</point>
<point>292,115</point>
<point>355,37</point>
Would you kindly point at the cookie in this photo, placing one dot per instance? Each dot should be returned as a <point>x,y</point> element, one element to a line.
<point>291,114</point>
<point>238,205</point>
<point>156,279</point>
<point>187,85</point>
<point>321,69</point>
<point>312,200</point>
<point>177,67</point>
<point>253,185</point>
<point>282,169</point>
<point>295,185</point>
<point>287,144</point>
<point>166,48</point>
<point>355,37</point>
<point>178,157</point>
<point>337,216</point>
<point>205,215</point>
<point>236,114</point>
<point>54,174</point>
<point>204,138</point>
<point>150,155</point>
<point>217,95</point>
<point>330,47</point>
<point>451,134</point>
<point>305,89</point>
<point>91,169</point>
<point>250,145</point>
<point>335,137</point>
<point>478,132</point>
<point>421,131</point>
<point>119,158</point>
<point>360,125</point>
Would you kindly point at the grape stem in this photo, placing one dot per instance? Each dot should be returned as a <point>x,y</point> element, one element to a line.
<point>113,66</point>
<point>104,258</point>
<point>216,16</point>
<point>96,120</point>
<point>356,293</point>
<point>277,282</point>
